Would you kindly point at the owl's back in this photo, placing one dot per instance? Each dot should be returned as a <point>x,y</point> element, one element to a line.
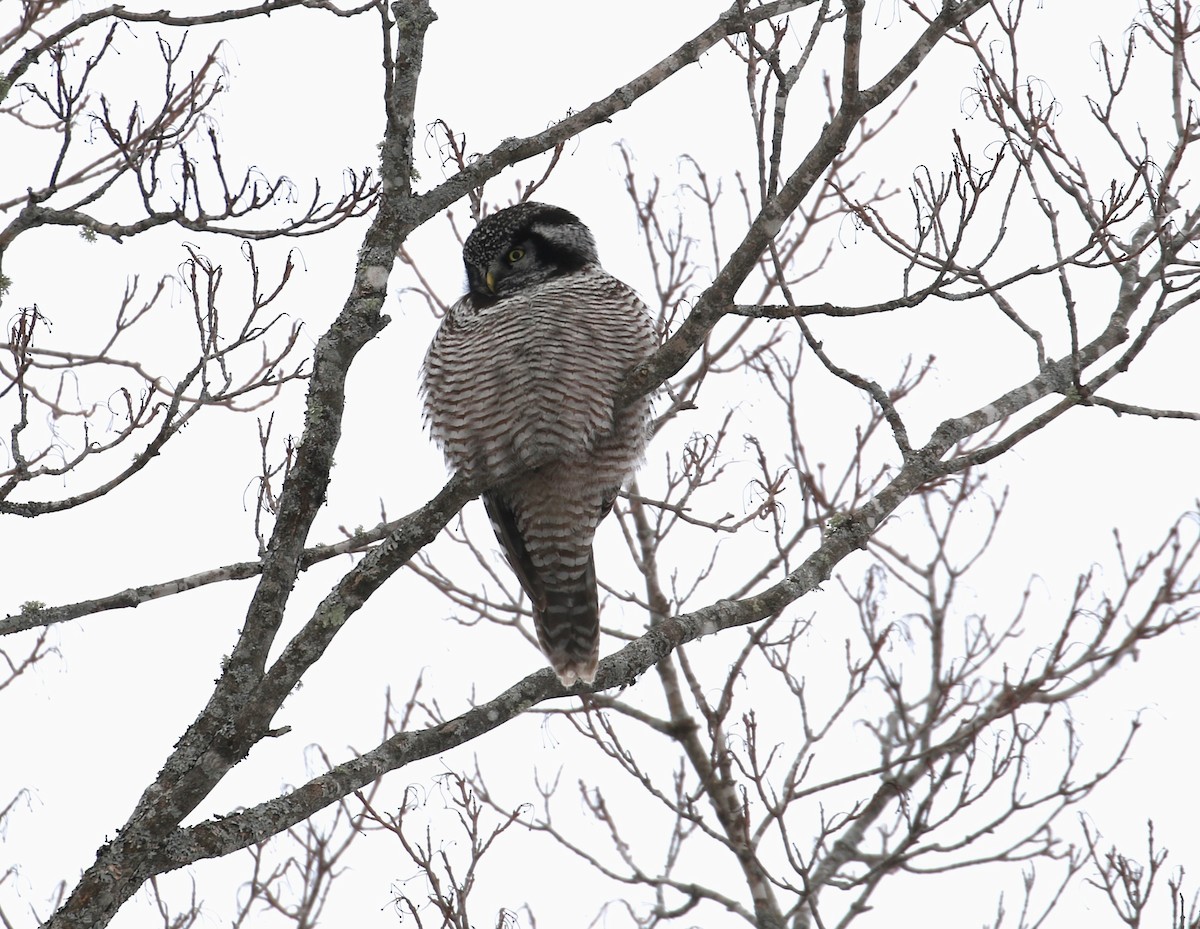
<point>531,378</point>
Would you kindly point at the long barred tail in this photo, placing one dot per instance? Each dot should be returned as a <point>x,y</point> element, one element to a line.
<point>561,583</point>
<point>568,627</point>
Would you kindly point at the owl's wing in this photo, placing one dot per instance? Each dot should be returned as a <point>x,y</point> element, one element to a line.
<point>607,504</point>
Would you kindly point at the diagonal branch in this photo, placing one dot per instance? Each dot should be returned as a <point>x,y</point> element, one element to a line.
<point>720,297</point>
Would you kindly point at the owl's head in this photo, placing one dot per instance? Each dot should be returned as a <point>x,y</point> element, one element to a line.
<point>524,245</point>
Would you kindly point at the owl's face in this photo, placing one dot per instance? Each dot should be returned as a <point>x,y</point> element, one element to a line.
<point>524,245</point>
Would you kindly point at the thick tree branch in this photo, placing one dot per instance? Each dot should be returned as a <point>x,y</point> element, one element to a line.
<point>211,746</point>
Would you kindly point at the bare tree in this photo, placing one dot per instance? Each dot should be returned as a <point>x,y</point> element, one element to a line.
<point>724,783</point>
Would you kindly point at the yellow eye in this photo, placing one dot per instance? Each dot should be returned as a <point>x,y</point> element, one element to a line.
<point>516,255</point>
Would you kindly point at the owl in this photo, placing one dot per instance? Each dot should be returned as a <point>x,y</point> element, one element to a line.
<point>519,385</point>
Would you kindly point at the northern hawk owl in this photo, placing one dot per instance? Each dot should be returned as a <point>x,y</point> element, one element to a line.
<point>519,386</point>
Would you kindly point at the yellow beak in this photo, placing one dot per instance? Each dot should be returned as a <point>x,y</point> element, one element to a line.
<point>490,280</point>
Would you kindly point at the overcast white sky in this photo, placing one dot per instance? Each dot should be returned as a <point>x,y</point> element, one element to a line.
<point>87,730</point>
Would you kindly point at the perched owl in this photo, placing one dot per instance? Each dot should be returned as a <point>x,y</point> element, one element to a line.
<point>519,385</point>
